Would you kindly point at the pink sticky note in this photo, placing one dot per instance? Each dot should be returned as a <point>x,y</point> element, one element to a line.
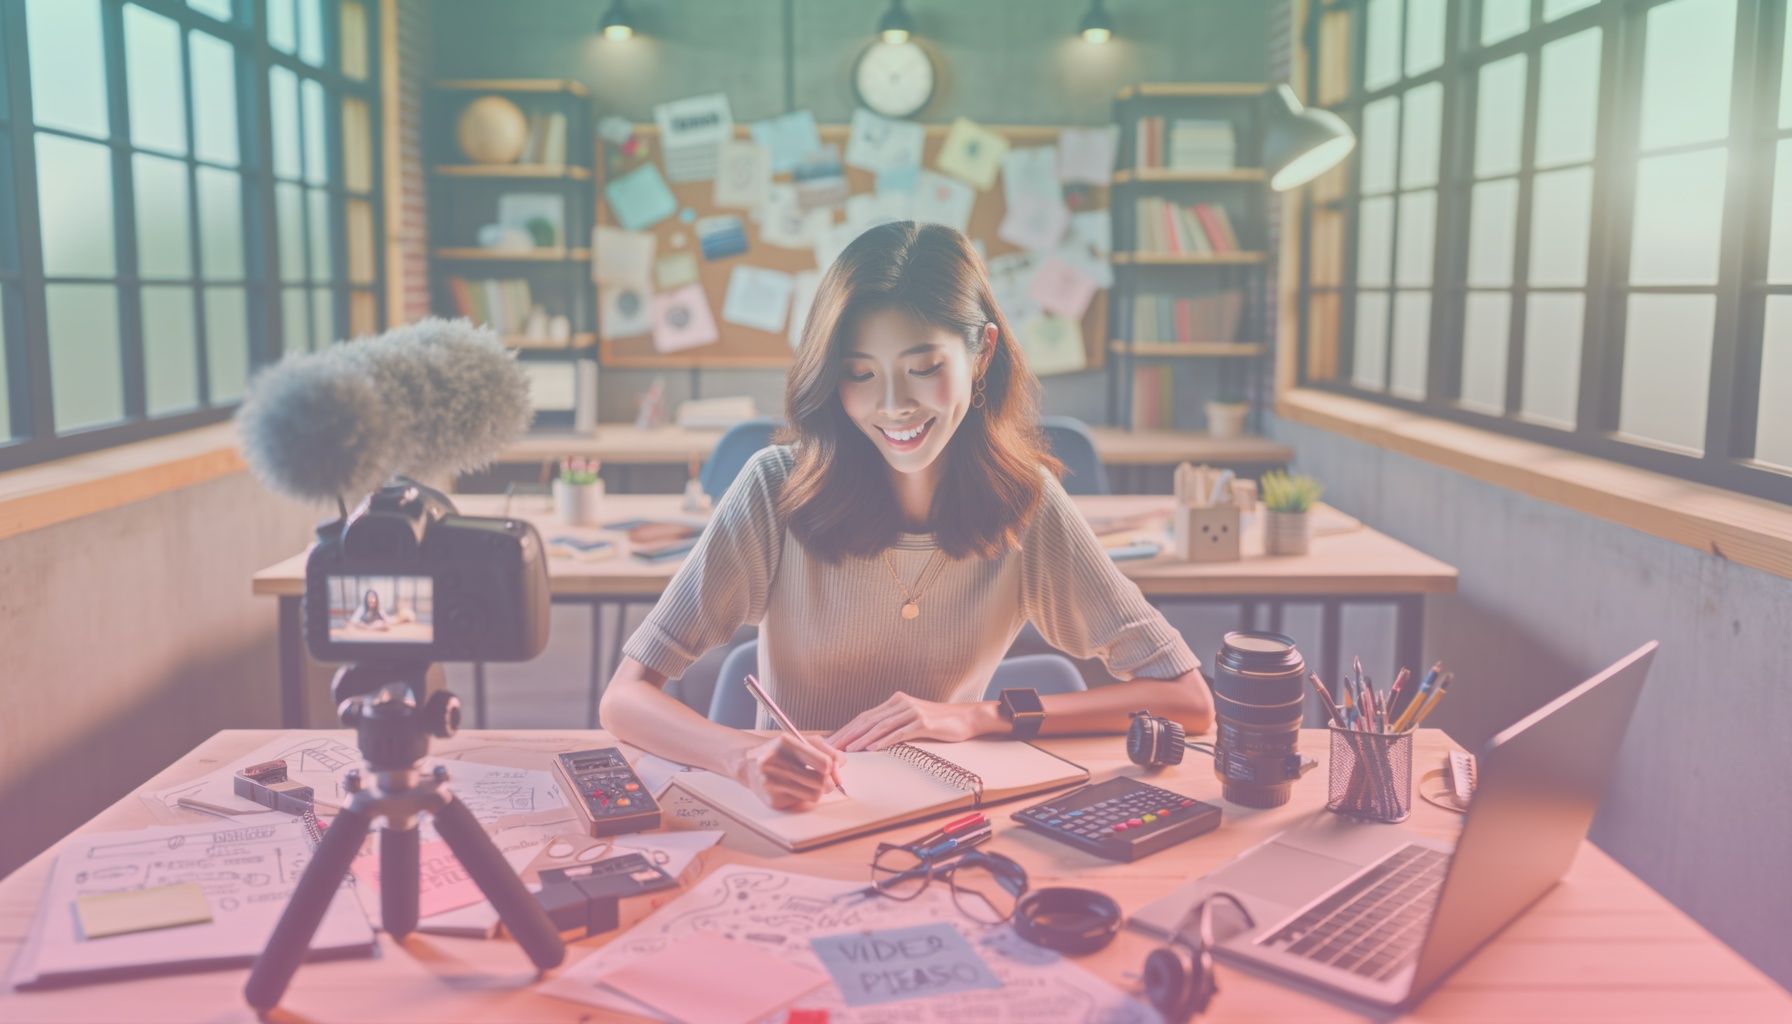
<point>442,884</point>
<point>681,319</point>
<point>1062,288</point>
<point>738,982</point>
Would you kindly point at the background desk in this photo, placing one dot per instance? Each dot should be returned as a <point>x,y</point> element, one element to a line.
<point>1602,944</point>
<point>1357,565</point>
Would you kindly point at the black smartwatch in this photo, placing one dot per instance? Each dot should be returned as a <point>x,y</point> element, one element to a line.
<point>1024,711</point>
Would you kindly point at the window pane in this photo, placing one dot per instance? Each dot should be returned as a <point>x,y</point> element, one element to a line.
<point>360,241</point>
<point>1667,368</point>
<point>1561,217</point>
<point>1420,131</point>
<point>74,194</point>
<point>283,100</point>
<point>214,98</point>
<point>316,155</point>
<point>1424,35</point>
<point>1486,325</point>
<point>1679,215</point>
<point>5,389</point>
<point>1553,9</point>
<point>1569,89</point>
<point>323,318</point>
<point>219,9</point>
<point>221,224</point>
<point>1375,240</point>
<point>1773,424</point>
<point>322,266</point>
<point>1492,232</point>
<point>295,324</point>
<point>152,74</point>
<point>1779,238</point>
<point>1786,77</point>
<point>164,227</point>
<point>226,343</point>
<point>1381,55</point>
<point>363,314</point>
<point>283,29</point>
<point>86,377</point>
<point>1418,225</point>
<point>1502,18</point>
<point>1412,331</point>
<point>1552,333</point>
<point>1686,72</point>
<point>170,350</point>
<point>357,146</point>
<point>1499,117</point>
<point>289,207</point>
<point>1370,354</point>
<point>311,32</point>
<point>1381,136</point>
<point>68,82</point>
<point>352,38</point>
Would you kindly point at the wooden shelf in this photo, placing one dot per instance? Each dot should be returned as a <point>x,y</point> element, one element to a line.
<point>565,85</point>
<point>1192,90</point>
<point>1188,349</point>
<point>509,171</point>
<point>1170,176</point>
<point>1179,259</point>
<point>476,254</point>
<point>579,340</point>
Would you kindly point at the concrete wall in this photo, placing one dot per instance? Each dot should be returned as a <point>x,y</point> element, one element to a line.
<point>125,639</point>
<point>1549,596</point>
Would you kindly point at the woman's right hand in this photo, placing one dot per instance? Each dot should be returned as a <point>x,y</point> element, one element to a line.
<point>787,775</point>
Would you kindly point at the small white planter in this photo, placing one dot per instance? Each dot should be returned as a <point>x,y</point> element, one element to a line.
<point>578,504</point>
<point>1226,419</point>
<point>1286,533</point>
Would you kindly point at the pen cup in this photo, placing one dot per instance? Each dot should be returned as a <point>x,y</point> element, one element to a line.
<point>1371,775</point>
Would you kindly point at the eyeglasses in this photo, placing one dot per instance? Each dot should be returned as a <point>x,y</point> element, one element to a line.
<point>1179,977</point>
<point>985,886</point>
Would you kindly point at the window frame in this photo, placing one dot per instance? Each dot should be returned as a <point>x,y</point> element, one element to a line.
<point>1726,459</point>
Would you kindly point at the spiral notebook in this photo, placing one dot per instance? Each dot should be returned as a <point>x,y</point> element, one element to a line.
<point>900,783</point>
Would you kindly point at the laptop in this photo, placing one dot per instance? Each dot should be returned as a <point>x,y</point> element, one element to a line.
<point>1381,914</point>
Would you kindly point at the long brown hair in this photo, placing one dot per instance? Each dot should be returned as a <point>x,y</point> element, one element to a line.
<point>838,499</point>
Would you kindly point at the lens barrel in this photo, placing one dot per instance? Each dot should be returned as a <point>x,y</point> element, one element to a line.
<point>1258,700</point>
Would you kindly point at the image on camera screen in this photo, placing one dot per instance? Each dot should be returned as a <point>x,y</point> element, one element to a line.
<point>382,609</point>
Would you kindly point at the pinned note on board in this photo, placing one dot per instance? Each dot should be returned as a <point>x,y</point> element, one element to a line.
<point>972,152</point>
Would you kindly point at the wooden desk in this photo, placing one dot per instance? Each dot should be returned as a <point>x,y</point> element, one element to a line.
<point>1348,563</point>
<point>1601,944</point>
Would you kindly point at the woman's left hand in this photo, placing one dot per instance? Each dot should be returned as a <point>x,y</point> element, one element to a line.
<point>903,718</point>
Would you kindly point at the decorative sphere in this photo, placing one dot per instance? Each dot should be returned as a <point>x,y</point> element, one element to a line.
<point>492,130</point>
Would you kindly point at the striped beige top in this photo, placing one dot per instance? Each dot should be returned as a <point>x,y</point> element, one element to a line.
<point>832,640</point>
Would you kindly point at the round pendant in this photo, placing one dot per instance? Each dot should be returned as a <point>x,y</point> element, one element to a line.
<point>910,610</point>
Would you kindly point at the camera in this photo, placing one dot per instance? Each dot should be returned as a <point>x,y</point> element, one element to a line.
<point>406,578</point>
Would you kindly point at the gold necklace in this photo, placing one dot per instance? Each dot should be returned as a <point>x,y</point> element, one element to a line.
<point>912,606</point>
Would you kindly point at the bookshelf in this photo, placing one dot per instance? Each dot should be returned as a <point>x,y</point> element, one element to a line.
<point>1191,261</point>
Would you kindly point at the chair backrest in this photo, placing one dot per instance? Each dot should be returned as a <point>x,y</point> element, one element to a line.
<point>1074,446</point>
<point>1046,673</point>
<point>737,445</point>
<point>731,704</point>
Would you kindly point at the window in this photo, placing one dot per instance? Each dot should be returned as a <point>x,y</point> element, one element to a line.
<point>1570,220</point>
<point>147,248</point>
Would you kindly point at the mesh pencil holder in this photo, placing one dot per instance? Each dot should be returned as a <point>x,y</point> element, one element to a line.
<point>1371,775</point>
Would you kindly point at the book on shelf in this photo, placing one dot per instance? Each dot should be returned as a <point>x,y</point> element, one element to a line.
<point>503,304</point>
<point>1194,229</point>
<point>1153,398</point>
<point>545,142</point>
<point>1187,319</point>
<point>1185,144</point>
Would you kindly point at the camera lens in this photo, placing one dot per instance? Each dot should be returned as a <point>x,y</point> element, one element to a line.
<point>1258,701</point>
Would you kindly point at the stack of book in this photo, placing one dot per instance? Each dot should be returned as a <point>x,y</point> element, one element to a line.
<point>1169,227</point>
<point>1185,144</point>
<point>546,141</point>
<point>504,305</point>
<point>1187,318</point>
<point>1153,398</point>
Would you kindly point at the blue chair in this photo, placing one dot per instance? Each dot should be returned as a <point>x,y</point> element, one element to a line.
<point>732,705</point>
<point>1074,446</point>
<point>737,445</point>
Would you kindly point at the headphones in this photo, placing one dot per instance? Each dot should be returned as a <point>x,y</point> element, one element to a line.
<point>1179,979</point>
<point>1154,741</point>
<point>1074,921</point>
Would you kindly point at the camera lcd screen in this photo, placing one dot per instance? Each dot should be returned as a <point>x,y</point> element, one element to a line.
<point>382,609</point>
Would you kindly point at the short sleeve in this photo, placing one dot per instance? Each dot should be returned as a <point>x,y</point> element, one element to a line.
<point>726,579</point>
<point>1083,605</point>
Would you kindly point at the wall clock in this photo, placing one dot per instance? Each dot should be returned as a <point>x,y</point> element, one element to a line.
<point>894,79</point>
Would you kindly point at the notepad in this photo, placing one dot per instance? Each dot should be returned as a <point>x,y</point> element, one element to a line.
<point>903,782</point>
<point>141,910</point>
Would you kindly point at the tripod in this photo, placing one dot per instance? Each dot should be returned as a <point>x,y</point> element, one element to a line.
<point>393,733</point>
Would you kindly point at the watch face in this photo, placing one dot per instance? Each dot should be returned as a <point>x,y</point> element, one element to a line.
<point>1023,702</point>
<point>894,79</point>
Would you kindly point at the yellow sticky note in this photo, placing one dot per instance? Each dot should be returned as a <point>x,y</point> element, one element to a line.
<point>972,152</point>
<point>142,910</point>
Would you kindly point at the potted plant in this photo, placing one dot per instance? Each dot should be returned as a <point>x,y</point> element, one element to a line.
<point>578,492</point>
<point>1287,500</point>
<point>1229,409</point>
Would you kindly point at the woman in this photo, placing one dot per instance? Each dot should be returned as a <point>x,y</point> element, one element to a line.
<point>369,615</point>
<point>892,550</point>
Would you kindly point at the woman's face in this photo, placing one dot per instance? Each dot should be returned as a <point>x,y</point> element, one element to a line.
<point>373,600</point>
<point>907,385</point>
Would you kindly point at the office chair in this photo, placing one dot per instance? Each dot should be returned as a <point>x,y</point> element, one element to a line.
<point>732,705</point>
<point>1074,446</point>
<point>737,445</point>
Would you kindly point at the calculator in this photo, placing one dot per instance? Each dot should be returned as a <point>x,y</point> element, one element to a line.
<point>1121,819</point>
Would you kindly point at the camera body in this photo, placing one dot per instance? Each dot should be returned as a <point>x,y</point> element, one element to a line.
<point>406,578</point>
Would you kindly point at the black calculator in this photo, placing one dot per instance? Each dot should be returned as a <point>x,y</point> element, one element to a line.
<point>1121,819</point>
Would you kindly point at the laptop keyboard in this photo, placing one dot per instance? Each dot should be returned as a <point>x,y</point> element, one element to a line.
<point>1372,927</point>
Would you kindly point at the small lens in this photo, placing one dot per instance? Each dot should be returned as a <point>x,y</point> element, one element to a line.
<point>986,890</point>
<point>898,873</point>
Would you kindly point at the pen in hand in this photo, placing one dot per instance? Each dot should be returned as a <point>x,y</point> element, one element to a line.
<point>783,720</point>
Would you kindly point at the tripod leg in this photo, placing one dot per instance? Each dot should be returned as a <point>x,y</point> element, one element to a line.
<point>305,910</point>
<point>519,911</point>
<point>398,880</point>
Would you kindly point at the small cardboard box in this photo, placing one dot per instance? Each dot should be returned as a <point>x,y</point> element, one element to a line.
<point>1206,534</point>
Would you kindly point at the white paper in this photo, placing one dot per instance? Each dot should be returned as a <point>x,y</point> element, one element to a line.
<point>784,223</point>
<point>623,311</point>
<point>1011,280</point>
<point>877,142</point>
<point>621,257</point>
<point>757,297</point>
<point>802,297</point>
<point>743,175</point>
<point>1086,155</point>
<point>1031,170</point>
<point>830,242</point>
<point>1034,221</point>
<point>940,199</point>
<point>692,131</point>
<point>789,138</point>
<point>865,212</point>
<point>670,851</point>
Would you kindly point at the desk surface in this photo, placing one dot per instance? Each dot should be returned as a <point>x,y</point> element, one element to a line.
<point>623,443</point>
<point>1346,557</point>
<point>1600,944</point>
